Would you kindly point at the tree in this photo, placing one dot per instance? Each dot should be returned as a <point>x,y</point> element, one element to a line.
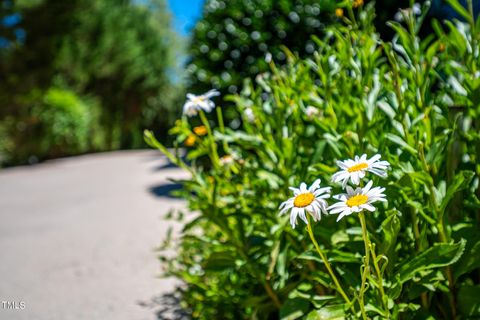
<point>117,51</point>
<point>235,37</point>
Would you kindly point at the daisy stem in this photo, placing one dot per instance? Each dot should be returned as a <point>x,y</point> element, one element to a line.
<point>327,264</point>
<point>222,127</point>
<point>379,280</point>
<point>366,267</point>
<point>213,146</point>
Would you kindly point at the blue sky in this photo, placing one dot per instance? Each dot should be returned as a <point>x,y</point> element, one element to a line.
<point>185,14</point>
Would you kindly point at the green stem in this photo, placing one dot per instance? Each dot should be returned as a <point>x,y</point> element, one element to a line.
<point>222,127</point>
<point>366,267</point>
<point>327,264</point>
<point>383,297</point>
<point>213,146</point>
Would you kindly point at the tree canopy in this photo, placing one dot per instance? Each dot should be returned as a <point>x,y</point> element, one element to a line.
<point>118,52</point>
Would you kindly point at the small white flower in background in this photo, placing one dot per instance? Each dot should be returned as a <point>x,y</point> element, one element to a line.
<point>248,113</point>
<point>311,112</point>
<point>311,201</point>
<point>202,102</point>
<point>227,160</point>
<point>356,169</point>
<point>268,57</point>
<point>417,9</point>
<point>398,16</point>
<point>357,200</point>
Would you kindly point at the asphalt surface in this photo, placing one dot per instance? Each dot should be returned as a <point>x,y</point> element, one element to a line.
<point>78,237</point>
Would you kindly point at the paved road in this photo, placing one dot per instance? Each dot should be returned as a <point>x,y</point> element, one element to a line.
<point>78,236</point>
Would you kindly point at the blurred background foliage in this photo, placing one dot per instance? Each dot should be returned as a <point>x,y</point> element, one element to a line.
<point>236,38</point>
<point>129,69</point>
<point>82,75</point>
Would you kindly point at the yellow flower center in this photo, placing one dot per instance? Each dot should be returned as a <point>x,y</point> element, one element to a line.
<point>339,12</point>
<point>358,167</point>
<point>357,200</point>
<point>198,99</point>
<point>200,130</point>
<point>303,200</point>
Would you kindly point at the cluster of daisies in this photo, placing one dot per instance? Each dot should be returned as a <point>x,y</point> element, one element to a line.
<point>313,201</point>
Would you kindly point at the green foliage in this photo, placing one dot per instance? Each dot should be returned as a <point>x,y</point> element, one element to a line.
<point>120,53</point>
<point>232,39</point>
<point>413,101</point>
<point>58,123</point>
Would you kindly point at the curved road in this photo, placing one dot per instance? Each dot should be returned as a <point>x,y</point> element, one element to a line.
<point>78,237</point>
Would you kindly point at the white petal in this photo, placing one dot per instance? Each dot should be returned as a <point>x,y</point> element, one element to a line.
<point>354,178</point>
<point>337,210</point>
<point>346,212</point>
<point>350,163</point>
<point>322,190</point>
<point>374,158</point>
<point>337,205</point>
<point>342,165</point>
<point>296,191</point>
<point>368,206</point>
<point>340,176</point>
<point>303,187</point>
<point>212,93</point>
<point>368,186</point>
<point>302,216</point>
<point>293,217</point>
<point>377,172</point>
<point>314,186</point>
<point>349,190</point>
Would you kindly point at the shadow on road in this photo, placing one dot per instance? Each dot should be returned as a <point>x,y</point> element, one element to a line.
<point>167,306</point>
<point>165,190</point>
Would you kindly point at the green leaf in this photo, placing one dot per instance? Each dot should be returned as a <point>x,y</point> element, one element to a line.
<point>399,141</point>
<point>440,255</point>
<point>333,312</point>
<point>470,261</point>
<point>390,229</point>
<point>460,9</point>
<point>385,107</point>
<point>294,308</point>
<point>460,182</point>
<point>218,261</point>
<point>468,301</point>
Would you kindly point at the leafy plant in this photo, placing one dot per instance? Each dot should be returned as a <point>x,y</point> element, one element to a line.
<point>57,123</point>
<point>415,102</point>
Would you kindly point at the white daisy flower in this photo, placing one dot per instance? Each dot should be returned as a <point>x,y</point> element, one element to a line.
<point>305,200</point>
<point>227,160</point>
<point>356,169</point>
<point>311,112</point>
<point>202,102</point>
<point>417,9</point>
<point>357,200</point>
<point>248,113</point>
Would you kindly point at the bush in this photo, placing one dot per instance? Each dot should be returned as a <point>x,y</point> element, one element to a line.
<point>233,38</point>
<point>122,53</point>
<point>56,123</point>
<point>413,101</point>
